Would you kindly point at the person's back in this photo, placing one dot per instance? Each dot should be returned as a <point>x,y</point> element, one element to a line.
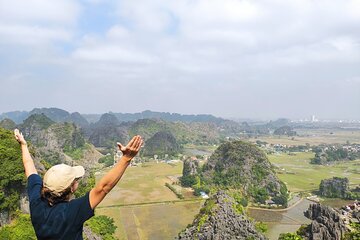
<point>64,220</point>
<point>53,214</point>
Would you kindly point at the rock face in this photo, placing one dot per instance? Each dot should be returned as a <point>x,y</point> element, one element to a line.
<point>334,187</point>
<point>190,167</point>
<point>90,235</point>
<point>242,165</point>
<point>56,142</point>
<point>161,143</point>
<point>107,131</point>
<point>219,221</point>
<point>327,223</point>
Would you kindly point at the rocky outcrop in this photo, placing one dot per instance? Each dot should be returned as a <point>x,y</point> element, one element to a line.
<point>244,166</point>
<point>57,142</point>
<point>4,217</point>
<point>89,235</point>
<point>327,223</point>
<point>219,220</point>
<point>107,131</point>
<point>7,124</point>
<point>334,187</point>
<point>161,143</point>
<point>190,167</point>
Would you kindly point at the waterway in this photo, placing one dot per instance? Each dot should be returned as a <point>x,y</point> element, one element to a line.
<point>281,221</point>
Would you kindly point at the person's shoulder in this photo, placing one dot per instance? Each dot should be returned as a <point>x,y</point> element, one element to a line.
<point>80,200</point>
<point>34,179</point>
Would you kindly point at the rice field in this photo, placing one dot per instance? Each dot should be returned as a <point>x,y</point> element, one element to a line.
<point>144,208</point>
<point>299,175</point>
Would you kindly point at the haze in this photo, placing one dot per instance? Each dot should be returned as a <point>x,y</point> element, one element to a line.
<point>253,59</point>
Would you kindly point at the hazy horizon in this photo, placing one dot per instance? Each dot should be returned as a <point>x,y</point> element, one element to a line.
<point>305,118</point>
<point>229,58</point>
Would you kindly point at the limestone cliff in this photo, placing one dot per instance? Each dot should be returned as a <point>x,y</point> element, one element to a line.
<point>161,143</point>
<point>218,219</point>
<point>242,165</point>
<point>334,187</point>
<point>327,223</point>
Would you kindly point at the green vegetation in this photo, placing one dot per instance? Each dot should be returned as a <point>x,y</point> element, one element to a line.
<point>7,124</point>
<point>289,236</point>
<point>76,153</point>
<point>39,121</point>
<point>228,168</point>
<point>20,228</point>
<point>160,144</point>
<point>261,227</point>
<point>205,212</point>
<point>102,226</point>
<point>107,160</point>
<point>325,154</point>
<point>355,233</point>
<point>145,183</point>
<point>185,133</point>
<point>285,130</point>
<point>12,177</point>
<point>85,185</point>
<point>189,180</point>
<point>299,175</point>
<point>179,195</point>
<point>69,135</point>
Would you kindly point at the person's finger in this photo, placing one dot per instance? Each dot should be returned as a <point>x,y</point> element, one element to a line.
<point>139,146</point>
<point>121,147</point>
<point>138,142</point>
<point>130,144</point>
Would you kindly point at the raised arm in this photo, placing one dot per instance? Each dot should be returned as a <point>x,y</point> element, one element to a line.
<point>26,157</point>
<point>107,183</point>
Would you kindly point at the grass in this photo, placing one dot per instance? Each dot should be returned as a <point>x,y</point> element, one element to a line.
<point>151,221</point>
<point>299,175</point>
<point>314,137</point>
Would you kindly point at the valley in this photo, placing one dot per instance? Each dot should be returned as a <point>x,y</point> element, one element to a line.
<point>258,161</point>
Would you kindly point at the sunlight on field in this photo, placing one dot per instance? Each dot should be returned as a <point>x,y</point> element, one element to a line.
<point>299,175</point>
<point>158,221</point>
<point>144,183</point>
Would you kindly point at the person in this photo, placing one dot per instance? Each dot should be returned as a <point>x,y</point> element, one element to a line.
<point>53,214</point>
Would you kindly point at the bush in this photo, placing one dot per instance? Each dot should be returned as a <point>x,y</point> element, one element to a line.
<point>261,227</point>
<point>107,160</point>
<point>85,185</point>
<point>21,228</point>
<point>289,236</point>
<point>102,226</point>
<point>179,195</point>
<point>12,172</point>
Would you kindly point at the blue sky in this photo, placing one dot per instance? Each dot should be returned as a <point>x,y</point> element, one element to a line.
<point>230,58</point>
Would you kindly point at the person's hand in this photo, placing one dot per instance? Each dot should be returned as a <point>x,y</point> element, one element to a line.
<point>19,137</point>
<point>132,148</point>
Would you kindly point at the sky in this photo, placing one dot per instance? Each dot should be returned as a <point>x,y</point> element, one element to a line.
<point>230,58</point>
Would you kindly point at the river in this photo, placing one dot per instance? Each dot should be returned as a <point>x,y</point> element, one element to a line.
<point>281,221</point>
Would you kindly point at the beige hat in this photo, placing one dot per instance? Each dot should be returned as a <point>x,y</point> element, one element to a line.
<point>60,177</point>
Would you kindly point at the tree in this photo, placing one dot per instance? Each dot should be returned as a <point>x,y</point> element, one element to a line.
<point>289,236</point>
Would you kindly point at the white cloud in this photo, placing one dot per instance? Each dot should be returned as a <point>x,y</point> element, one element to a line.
<point>45,11</point>
<point>211,49</point>
<point>31,35</point>
<point>112,53</point>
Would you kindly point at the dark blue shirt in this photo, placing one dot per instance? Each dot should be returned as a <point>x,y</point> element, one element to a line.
<point>63,220</point>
